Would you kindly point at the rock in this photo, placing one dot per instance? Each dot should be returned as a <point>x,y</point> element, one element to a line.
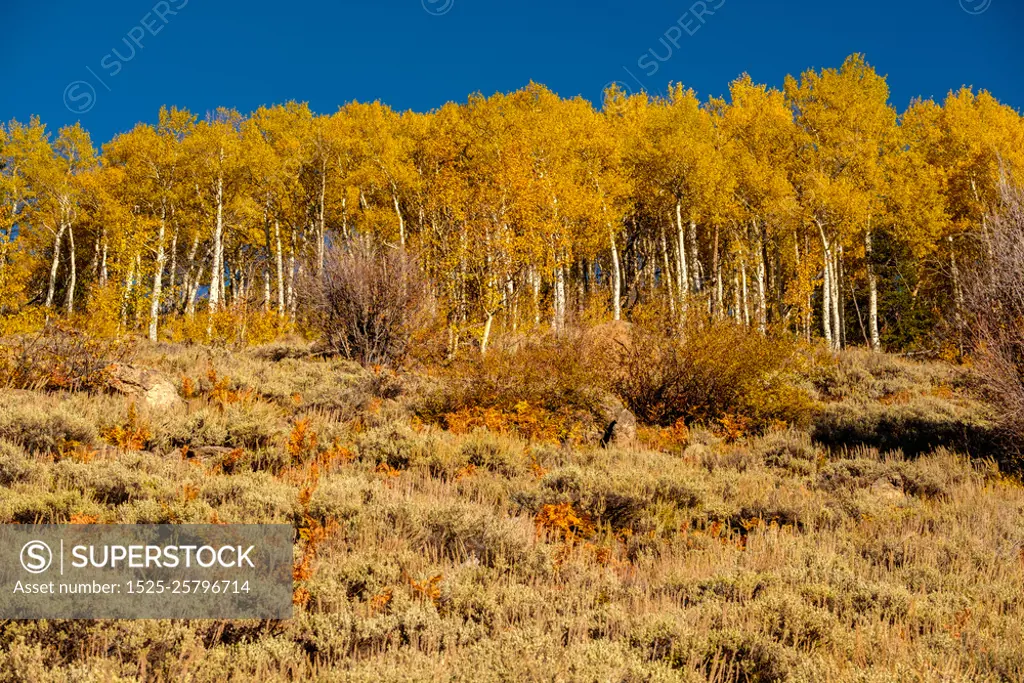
<point>155,389</point>
<point>620,423</point>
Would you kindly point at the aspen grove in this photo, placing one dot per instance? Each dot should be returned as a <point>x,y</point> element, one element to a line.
<point>818,208</point>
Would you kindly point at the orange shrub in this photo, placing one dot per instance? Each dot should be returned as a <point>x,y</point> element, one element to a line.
<point>525,420</point>
<point>666,439</point>
<point>429,589</point>
<point>302,441</point>
<point>131,436</point>
<point>563,522</point>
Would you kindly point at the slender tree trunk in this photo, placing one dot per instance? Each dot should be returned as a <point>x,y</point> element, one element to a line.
<point>136,279</point>
<point>217,268</point>
<point>958,295</point>
<point>762,299</point>
<point>616,277</point>
<point>698,279</point>
<point>279,259</point>
<point>193,293</point>
<point>799,318</point>
<point>344,216</point>
<point>837,319</point>
<point>559,320</point>
<point>826,298</point>
<point>321,241</point>
<point>513,297</point>
<point>667,275</point>
<point>103,263</point>
<point>746,307</point>
<point>682,274</point>
<point>174,260</point>
<point>716,267</point>
<point>55,264</point>
<point>536,296</point>
<point>191,277</point>
<point>158,276</point>
<point>73,274</point>
<point>487,333</point>
<point>94,264</point>
<point>876,343</point>
<point>291,275</point>
<point>736,294</point>
<point>270,255</point>
<point>829,319</point>
<point>398,212</point>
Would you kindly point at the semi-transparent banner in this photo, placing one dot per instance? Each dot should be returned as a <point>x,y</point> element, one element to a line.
<point>160,571</point>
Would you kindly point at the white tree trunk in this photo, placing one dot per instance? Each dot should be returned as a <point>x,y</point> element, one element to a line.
<point>876,343</point>
<point>837,322</point>
<point>487,333</point>
<point>73,274</point>
<point>762,301</point>
<point>401,221</point>
<point>682,275</point>
<point>158,276</point>
<point>695,269</point>
<point>217,268</point>
<point>291,274</point>
<point>279,259</point>
<point>103,263</point>
<point>826,298</point>
<point>172,272</point>
<point>55,264</point>
<point>667,275</point>
<point>559,320</point>
<point>616,277</point>
<point>736,295</point>
<point>321,241</point>
<point>746,306</point>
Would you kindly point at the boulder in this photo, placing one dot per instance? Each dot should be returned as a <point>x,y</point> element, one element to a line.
<point>620,423</point>
<point>155,389</point>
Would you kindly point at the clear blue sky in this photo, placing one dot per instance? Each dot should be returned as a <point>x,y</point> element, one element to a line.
<point>418,54</point>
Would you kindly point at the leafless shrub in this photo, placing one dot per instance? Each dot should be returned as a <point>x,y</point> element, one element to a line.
<point>994,299</point>
<point>366,303</point>
<point>60,358</point>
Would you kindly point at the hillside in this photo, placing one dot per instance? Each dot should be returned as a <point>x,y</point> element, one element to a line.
<point>441,543</point>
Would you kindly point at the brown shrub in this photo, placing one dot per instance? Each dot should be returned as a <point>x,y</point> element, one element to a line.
<point>367,302</point>
<point>994,298</point>
<point>707,373</point>
<point>60,358</point>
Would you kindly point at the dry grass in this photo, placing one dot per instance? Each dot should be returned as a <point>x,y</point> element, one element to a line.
<point>425,554</point>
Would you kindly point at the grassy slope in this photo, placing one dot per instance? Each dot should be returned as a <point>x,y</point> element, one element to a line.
<point>768,559</point>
